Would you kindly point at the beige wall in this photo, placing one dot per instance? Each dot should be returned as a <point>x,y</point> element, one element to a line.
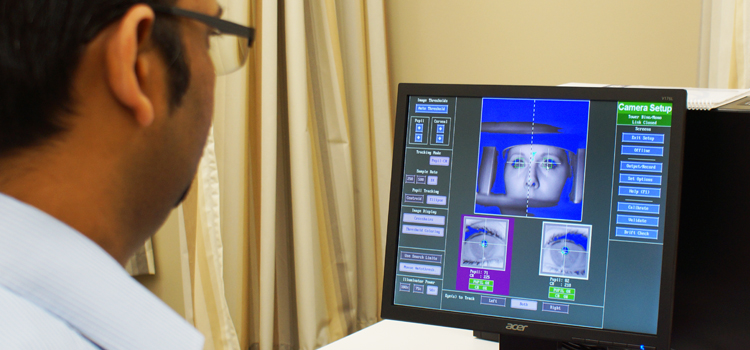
<point>634,42</point>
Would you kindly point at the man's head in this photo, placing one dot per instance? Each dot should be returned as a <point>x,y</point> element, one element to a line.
<point>536,172</point>
<point>104,111</point>
<point>40,49</point>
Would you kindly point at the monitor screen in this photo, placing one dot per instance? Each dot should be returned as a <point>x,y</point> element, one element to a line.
<point>547,212</point>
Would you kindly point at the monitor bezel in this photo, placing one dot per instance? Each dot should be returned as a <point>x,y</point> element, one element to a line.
<point>539,329</point>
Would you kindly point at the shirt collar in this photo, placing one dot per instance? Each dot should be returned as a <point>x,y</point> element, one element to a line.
<point>70,276</point>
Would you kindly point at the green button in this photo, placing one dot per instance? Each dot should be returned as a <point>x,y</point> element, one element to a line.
<point>481,288</point>
<point>644,113</point>
<point>562,290</point>
<point>562,296</point>
<point>481,282</point>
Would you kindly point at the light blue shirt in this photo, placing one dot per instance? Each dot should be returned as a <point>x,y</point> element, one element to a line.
<point>60,290</point>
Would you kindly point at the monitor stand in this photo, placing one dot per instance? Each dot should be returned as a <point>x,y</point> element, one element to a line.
<point>525,343</point>
<point>508,342</point>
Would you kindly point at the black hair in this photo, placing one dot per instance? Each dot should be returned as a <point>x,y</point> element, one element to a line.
<point>41,43</point>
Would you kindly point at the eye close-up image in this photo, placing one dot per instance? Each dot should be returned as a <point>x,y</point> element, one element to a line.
<point>565,250</point>
<point>484,243</point>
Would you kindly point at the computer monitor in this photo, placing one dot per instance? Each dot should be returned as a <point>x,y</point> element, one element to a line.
<point>545,214</point>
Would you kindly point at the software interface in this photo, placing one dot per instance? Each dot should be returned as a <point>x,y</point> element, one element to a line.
<point>535,209</point>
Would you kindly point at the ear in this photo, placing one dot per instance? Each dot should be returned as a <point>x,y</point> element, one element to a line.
<point>125,65</point>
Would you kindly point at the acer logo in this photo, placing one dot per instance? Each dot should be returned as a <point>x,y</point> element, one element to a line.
<point>516,327</point>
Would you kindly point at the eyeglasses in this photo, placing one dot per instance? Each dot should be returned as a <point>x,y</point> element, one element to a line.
<point>229,49</point>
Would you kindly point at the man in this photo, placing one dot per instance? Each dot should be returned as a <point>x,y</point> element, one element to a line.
<point>105,107</point>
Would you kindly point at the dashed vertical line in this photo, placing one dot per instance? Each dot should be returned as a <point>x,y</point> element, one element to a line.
<point>484,239</point>
<point>531,161</point>
<point>565,244</point>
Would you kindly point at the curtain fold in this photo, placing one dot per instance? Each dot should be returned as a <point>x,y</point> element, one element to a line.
<point>381,128</point>
<point>323,158</point>
<point>266,164</point>
<point>305,228</point>
<point>202,260</point>
<point>724,51</point>
<point>212,315</point>
<point>331,144</point>
<point>213,224</point>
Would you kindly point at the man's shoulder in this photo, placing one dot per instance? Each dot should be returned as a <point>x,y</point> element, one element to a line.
<point>24,325</point>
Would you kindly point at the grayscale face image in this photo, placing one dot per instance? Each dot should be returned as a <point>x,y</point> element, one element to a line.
<point>565,250</point>
<point>536,172</point>
<point>484,243</point>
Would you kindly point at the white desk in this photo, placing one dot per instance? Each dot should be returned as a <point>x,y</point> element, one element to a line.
<point>397,335</point>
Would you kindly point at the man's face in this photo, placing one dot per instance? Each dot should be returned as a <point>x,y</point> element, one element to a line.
<point>192,119</point>
<point>178,135</point>
<point>536,172</point>
<point>163,156</point>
